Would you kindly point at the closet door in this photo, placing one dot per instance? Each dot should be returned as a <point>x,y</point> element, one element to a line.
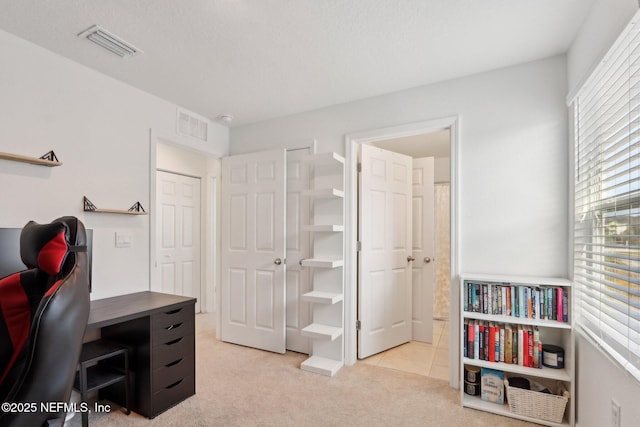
<point>253,216</point>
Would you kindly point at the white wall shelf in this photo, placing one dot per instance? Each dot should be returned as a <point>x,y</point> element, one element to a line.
<point>48,160</point>
<point>321,365</point>
<point>324,193</point>
<point>325,158</point>
<point>323,297</point>
<point>327,228</point>
<point>327,236</point>
<point>317,330</point>
<point>556,332</point>
<point>322,263</point>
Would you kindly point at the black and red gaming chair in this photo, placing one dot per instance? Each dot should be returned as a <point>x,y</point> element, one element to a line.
<point>43,317</point>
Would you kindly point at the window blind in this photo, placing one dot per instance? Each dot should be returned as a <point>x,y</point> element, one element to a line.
<point>607,202</point>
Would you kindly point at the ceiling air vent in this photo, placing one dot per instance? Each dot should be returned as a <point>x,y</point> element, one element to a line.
<point>110,42</point>
<point>191,125</point>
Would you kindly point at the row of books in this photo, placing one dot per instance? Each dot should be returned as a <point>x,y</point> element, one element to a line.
<point>532,302</point>
<point>502,342</point>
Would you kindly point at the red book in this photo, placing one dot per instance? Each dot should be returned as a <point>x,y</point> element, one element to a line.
<point>525,348</point>
<point>530,347</point>
<point>492,344</point>
<point>470,335</point>
<point>497,344</point>
<point>559,304</point>
<point>481,342</point>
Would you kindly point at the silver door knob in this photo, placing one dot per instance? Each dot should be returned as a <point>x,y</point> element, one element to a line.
<point>410,258</point>
<point>427,259</point>
<point>278,261</point>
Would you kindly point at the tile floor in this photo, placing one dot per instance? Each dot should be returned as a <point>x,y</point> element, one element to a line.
<point>431,360</point>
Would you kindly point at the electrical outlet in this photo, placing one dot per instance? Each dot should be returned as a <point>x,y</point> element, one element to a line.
<point>615,414</point>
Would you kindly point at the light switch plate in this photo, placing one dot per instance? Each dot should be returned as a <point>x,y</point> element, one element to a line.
<point>123,240</point>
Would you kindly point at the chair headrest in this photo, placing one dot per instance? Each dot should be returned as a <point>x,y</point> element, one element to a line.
<point>45,246</point>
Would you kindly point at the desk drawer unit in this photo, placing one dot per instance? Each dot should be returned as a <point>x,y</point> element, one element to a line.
<point>163,356</point>
<point>172,357</point>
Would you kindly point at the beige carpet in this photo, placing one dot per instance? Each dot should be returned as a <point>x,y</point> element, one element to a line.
<point>239,386</point>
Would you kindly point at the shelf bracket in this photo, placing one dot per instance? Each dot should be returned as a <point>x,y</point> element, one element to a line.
<point>88,206</point>
<point>51,156</point>
<point>137,207</point>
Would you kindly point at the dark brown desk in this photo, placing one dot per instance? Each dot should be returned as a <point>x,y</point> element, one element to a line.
<point>160,331</point>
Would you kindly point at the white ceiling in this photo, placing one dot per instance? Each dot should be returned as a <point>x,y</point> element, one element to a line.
<point>261,59</point>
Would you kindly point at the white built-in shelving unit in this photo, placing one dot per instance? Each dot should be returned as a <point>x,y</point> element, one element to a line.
<point>554,332</point>
<point>326,330</point>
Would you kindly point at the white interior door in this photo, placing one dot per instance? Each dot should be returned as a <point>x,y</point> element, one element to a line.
<point>423,240</point>
<point>298,248</point>
<point>384,279</point>
<point>178,231</point>
<point>253,215</point>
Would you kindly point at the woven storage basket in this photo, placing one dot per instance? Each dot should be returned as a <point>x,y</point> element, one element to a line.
<point>542,406</point>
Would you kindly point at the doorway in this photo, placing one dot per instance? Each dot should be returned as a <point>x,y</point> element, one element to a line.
<point>418,155</point>
<point>394,136</point>
<point>174,155</point>
<point>178,206</point>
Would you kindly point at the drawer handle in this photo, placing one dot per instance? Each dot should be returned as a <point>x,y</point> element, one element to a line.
<point>177,310</point>
<point>174,326</point>
<point>174,384</point>
<point>176,341</point>
<point>168,365</point>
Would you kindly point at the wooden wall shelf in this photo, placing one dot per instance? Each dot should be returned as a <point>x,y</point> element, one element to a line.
<point>136,209</point>
<point>49,159</point>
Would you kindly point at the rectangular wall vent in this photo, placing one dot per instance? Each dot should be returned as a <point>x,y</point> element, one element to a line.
<point>110,42</point>
<point>191,125</point>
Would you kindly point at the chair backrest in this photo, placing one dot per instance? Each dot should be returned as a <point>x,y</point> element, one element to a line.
<point>56,289</point>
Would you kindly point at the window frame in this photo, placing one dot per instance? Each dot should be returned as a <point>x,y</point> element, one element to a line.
<point>602,180</point>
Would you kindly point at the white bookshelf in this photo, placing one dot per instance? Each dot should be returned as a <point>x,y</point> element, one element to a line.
<point>554,332</point>
<point>326,229</point>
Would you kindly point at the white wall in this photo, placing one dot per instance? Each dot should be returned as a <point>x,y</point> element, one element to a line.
<point>99,128</point>
<point>602,26</point>
<point>599,379</point>
<point>513,157</point>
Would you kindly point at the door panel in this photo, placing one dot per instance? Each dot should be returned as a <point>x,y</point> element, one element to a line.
<point>253,250</point>
<point>298,248</point>
<point>384,288</point>
<point>178,231</point>
<point>423,248</point>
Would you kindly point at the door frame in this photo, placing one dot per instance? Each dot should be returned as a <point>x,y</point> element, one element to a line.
<point>351,269</point>
<point>209,194</point>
